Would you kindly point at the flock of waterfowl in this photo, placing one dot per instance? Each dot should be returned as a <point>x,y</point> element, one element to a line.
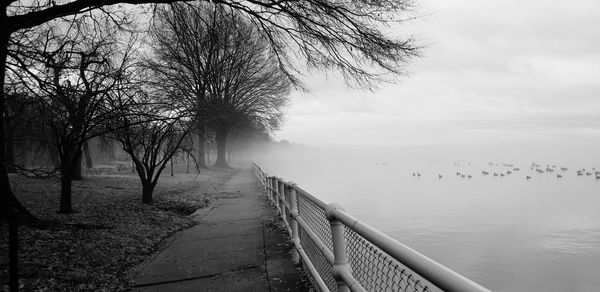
<point>510,169</point>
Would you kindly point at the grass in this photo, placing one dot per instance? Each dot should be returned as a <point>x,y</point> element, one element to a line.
<point>111,231</point>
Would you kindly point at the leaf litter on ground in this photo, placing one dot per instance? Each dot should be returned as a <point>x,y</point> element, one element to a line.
<point>110,232</point>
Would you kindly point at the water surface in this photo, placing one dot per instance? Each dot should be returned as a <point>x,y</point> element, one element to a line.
<point>507,233</point>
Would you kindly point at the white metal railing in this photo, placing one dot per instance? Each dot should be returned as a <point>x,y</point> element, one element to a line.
<point>340,253</point>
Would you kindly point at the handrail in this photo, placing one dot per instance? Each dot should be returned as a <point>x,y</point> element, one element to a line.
<point>439,275</point>
<point>310,197</point>
<point>363,258</point>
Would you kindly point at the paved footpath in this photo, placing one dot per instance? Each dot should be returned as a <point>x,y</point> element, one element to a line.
<point>238,246</point>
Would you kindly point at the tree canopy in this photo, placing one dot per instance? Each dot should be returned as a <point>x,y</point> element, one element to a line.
<point>217,66</point>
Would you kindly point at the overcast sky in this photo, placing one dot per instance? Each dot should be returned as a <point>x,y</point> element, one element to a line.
<point>511,70</point>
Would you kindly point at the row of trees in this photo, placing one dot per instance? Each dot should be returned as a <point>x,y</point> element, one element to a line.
<point>73,68</point>
<point>222,70</point>
<point>208,71</point>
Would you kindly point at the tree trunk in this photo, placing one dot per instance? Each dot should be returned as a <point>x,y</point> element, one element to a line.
<point>88,156</point>
<point>76,168</point>
<point>201,159</point>
<point>66,205</point>
<point>70,164</point>
<point>147,191</point>
<point>8,201</point>
<point>10,156</point>
<point>188,164</point>
<point>171,166</point>
<point>221,139</point>
<point>6,194</point>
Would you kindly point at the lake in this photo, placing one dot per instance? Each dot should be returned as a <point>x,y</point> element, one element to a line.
<point>508,233</point>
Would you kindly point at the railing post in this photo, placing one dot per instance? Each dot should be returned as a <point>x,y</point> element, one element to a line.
<point>276,194</point>
<point>271,189</point>
<point>294,223</point>
<point>282,202</point>
<point>268,186</point>
<point>340,262</point>
<point>267,191</point>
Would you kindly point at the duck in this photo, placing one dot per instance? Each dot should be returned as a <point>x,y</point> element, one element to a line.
<point>527,177</point>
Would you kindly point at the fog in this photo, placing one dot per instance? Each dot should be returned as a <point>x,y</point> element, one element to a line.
<point>492,72</point>
<point>506,232</point>
<point>291,161</point>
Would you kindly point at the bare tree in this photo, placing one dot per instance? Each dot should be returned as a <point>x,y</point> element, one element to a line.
<point>179,66</point>
<point>222,69</point>
<point>344,36</point>
<point>71,68</point>
<point>152,133</point>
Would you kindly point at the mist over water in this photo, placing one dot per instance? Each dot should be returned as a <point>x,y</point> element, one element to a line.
<point>508,233</point>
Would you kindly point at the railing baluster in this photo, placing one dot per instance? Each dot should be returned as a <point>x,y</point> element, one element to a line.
<point>279,196</point>
<point>271,188</point>
<point>272,192</point>
<point>294,223</point>
<point>283,206</point>
<point>276,194</point>
<point>340,260</point>
<point>269,192</point>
